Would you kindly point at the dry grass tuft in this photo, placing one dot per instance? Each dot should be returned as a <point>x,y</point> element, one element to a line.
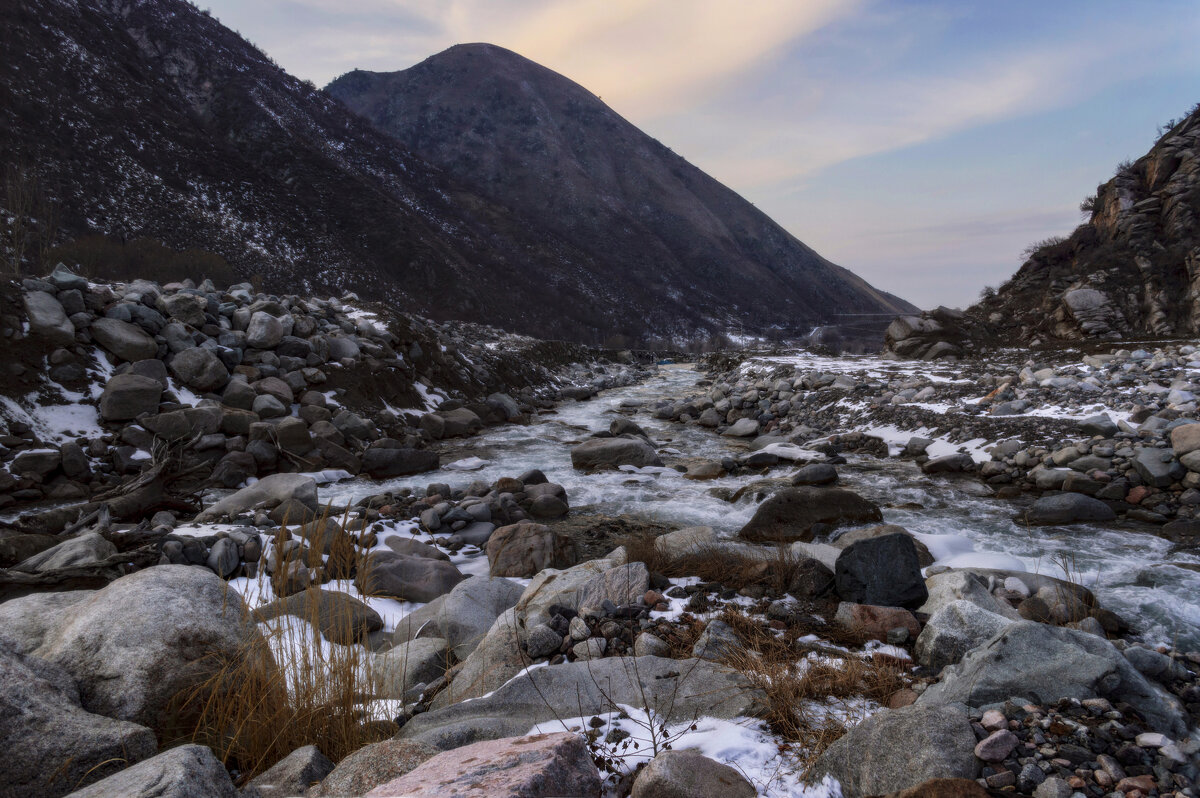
<point>807,701</point>
<point>289,689</point>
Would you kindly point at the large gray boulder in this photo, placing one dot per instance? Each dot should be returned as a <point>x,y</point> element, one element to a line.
<point>189,771</point>
<point>1045,664</point>
<point>134,647</point>
<point>372,765</point>
<point>882,571</point>
<point>1068,508</point>
<point>339,617</point>
<point>621,584</point>
<point>472,607</point>
<point>84,550</point>
<point>48,320</point>
<point>498,657</point>
<point>51,744</point>
<point>199,369</point>
<point>126,396</point>
<point>264,331</point>
<point>525,548</point>
<point>962,585</point>
<point>798,514</point>
<point>268,492</point>
<point>396,671</point>
<point>675,689</point>
<point>613,452</point>
<point>384,573</point>
<point>896,749</point>
<point>126,341</point>
<point>955,629</point>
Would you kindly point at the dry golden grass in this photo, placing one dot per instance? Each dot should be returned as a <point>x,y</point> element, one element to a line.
<point>799,694</point>
<point>287,689</point>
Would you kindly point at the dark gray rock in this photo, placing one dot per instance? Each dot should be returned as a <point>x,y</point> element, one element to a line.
<point>126,396</point>
<point>381,463</point>
<point>199,369</point>
<point>896,749</point>
<point>126,341</point>
<point>407,578</point>
<point>794,514</point>
<point>883,571</point>
<point>1068,508</point>
<point>814,474</point>
<point>613,452</point>
<point>48,320</point>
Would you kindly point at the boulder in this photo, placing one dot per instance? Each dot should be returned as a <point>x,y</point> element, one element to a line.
<point>293,774</point>
<point>396,671</point>
<point>51,744</point>
<point>689,774</point>
<point>622,585</point>
<point>460,423</point>
<point>862,533</point>
<point>797,514</point>
<point>189,771</point>
<point>524,548</point>
<point>264,331</point>
<point>599,452</point>
<point>896,749</point>
<point>268,492</point>
<point>199,369</point>
<point>1067,508</point>
<point>962,585</point>
<point>1045,664</point>
<point>675,689</point>
<point>472,607</point>
<point>815,474</point>
<point>384,573</point>
<point>882,571</point>
<point>875,623</point>
<point>184,308</point>
<point>955,629</point>
<point>84,550</point>
<point>534,766</point>
<point>143,640</point>
<point>126,396</point>
<point>381,463</point>
<point>409,547</point>
<point>742,428</point>
<point>48,320</point>
<point>340,618</point>
<point>126,341</point>
<point>372,765</point>
<point>1185,438</point>
<point>497,658</point>
<point>64,279</point>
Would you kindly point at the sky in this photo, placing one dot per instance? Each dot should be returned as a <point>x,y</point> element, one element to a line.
<point>922,144</point>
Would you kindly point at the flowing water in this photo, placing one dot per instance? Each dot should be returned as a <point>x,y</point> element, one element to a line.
<point>1130,571</point>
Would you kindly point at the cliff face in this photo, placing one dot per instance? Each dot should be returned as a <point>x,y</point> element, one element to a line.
<point>1131,271</point>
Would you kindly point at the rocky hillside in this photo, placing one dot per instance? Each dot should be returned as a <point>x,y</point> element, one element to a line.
<point>1131,271</point>
<point>645,227</point>
<point>165,125</point>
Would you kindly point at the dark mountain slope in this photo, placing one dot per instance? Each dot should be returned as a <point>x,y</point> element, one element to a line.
<point>1131,271</point>
<point>552,152</point>
<point>148,119</point>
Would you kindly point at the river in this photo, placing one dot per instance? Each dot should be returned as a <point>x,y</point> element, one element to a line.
<point>1130,571</point>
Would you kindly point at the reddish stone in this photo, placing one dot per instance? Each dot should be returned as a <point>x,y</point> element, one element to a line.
<point>537,766</point>
<point>1136,495</point>
<point>875,622</point>
<point>1129,783</point>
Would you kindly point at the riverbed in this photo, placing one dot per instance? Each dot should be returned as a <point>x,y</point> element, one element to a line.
<point>1130,570</point>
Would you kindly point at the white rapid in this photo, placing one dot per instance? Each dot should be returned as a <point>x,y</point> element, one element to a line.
<point>1130,570</point>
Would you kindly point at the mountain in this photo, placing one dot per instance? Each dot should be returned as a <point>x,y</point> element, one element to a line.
<point>147,119</point>
<point>644,218</point>
<point>1131,271</point>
